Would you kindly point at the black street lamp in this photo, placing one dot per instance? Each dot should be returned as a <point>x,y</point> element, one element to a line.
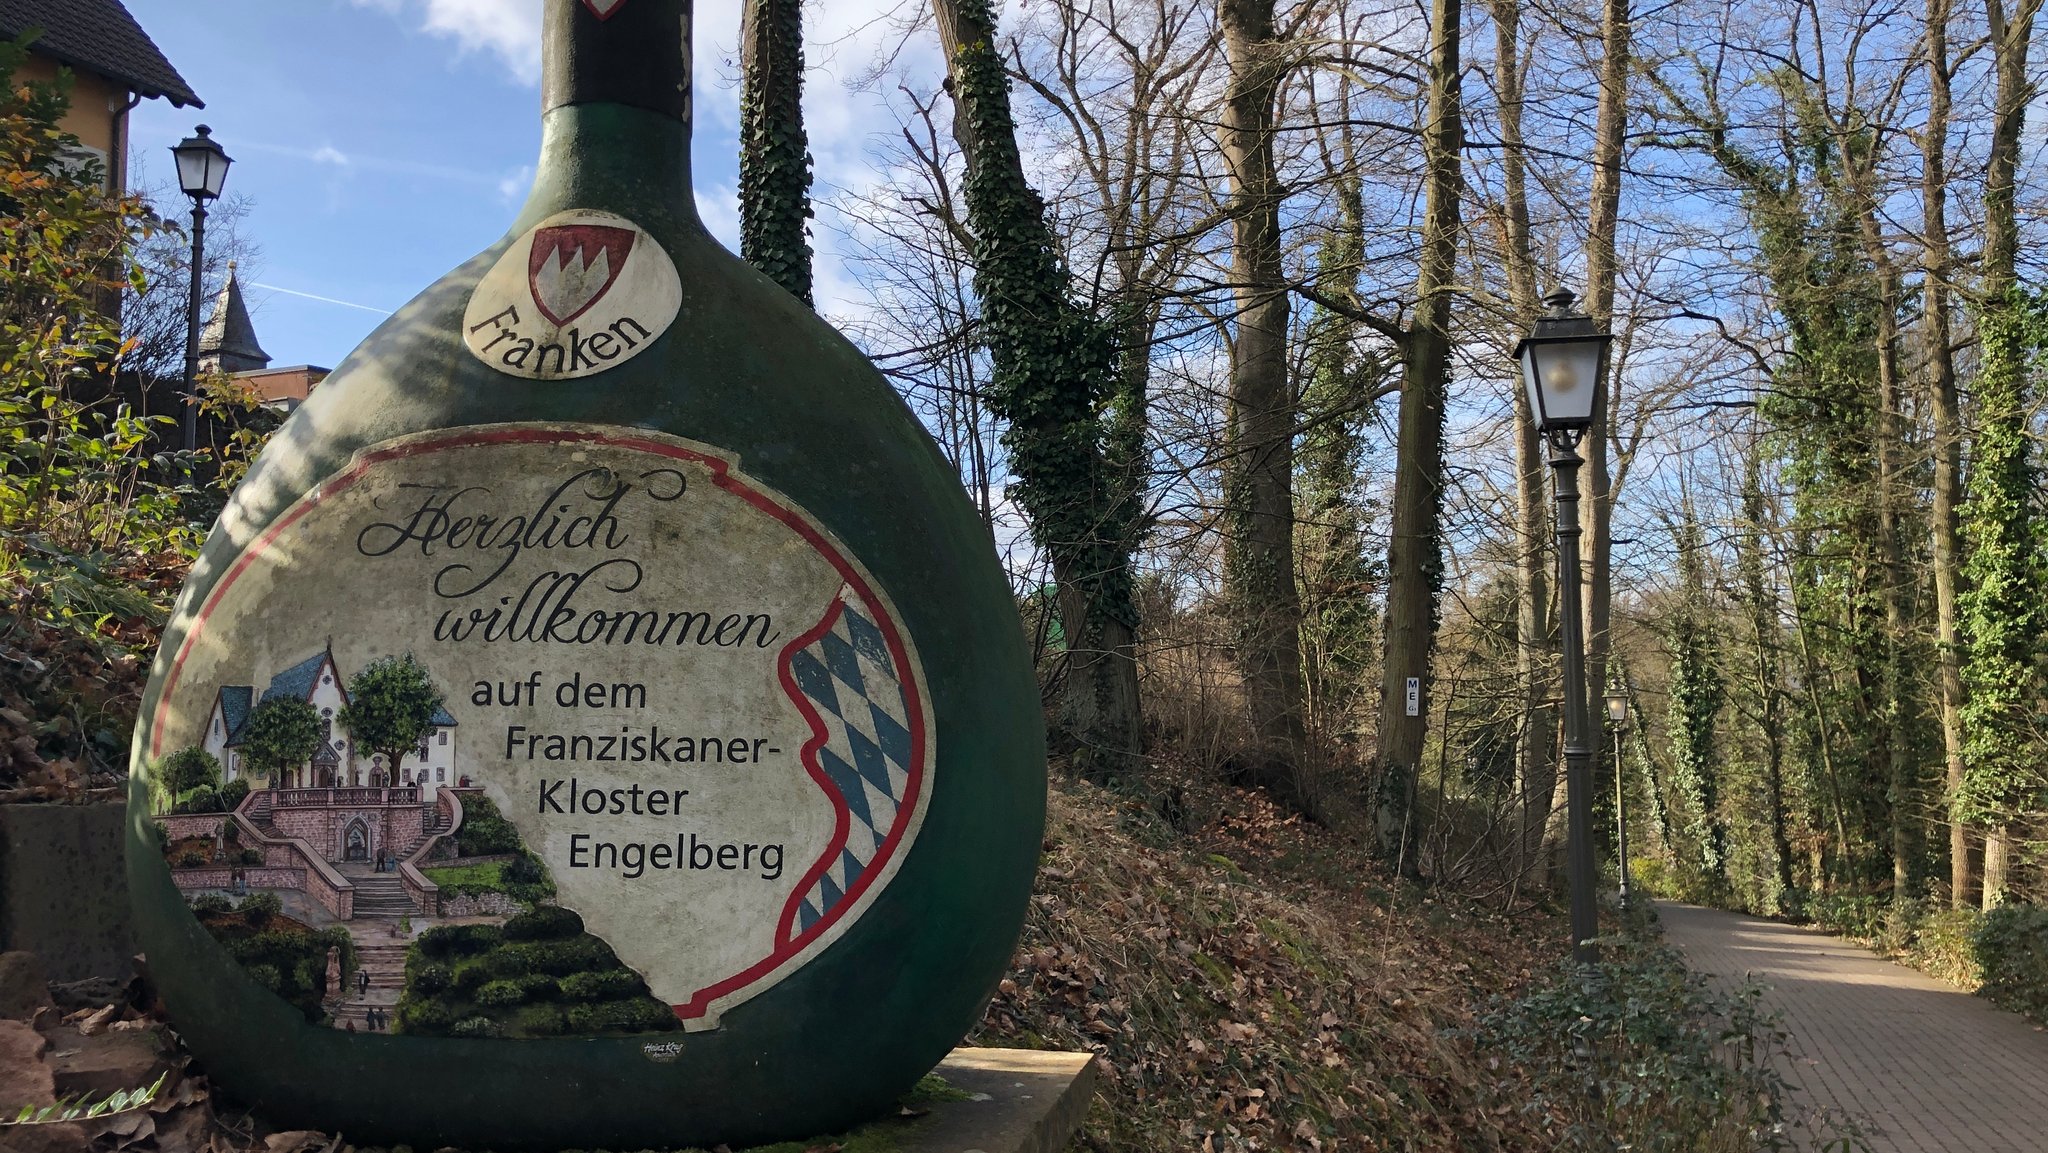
<point>1617,712</point>
<point>202,170</point>
<point>1561,370</point>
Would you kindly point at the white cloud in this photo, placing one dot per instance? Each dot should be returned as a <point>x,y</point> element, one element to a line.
<point>329,154</point>
<point>506,29</point>
<point>516,183</point>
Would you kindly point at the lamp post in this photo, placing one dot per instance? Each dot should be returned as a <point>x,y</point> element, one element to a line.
<point>1561,370</point>
<point>1617,712</point>
<point>202,170</point>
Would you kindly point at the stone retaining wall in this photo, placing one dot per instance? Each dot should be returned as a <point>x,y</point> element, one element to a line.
<point>222,877</point>
<point>481,905</point>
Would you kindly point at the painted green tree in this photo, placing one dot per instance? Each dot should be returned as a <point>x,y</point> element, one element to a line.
<point>281,734</point>
<point>391,707</point>
<point>186,770</point>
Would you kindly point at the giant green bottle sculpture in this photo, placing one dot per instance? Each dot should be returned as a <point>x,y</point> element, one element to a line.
<point>643,746</point>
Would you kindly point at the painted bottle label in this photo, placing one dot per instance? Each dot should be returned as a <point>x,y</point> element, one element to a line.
<point>534,671</point>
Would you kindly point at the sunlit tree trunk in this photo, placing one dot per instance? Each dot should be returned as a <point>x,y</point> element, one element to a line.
<point>1415,549</point>
<point>1258,544</point>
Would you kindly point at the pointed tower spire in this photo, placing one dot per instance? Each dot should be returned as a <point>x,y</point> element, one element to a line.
<point>229,342</point>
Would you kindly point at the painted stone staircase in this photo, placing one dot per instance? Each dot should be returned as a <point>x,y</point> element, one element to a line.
<point>382,895</point>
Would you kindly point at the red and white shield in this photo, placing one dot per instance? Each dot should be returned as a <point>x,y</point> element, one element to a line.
<point>570,267</point>
<point>603,9</point>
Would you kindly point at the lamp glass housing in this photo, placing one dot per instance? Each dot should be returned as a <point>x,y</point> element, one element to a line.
<point>202,165</point>
<point>1617,708</point>
<point>1561,374</point>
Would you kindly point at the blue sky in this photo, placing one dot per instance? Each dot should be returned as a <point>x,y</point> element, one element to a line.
<point>383,142</point>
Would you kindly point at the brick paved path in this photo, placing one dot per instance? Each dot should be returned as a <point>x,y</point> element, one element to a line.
<point>1920,1066</point>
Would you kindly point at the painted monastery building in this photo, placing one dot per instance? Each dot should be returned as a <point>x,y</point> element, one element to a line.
<point>338,762</point>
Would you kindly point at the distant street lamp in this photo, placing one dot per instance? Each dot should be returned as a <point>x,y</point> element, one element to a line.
<point>1561,370</point>
<point>1617,712</point>
<point>202,170</point>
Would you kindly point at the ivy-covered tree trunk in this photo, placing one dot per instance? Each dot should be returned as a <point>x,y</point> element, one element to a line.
<point>1415,544</point>
<point>1258,501</point>
<point>2002,613</point>
<point>1997,518</point>
<point>1766,662</point>
<point>1945,403</point>
<point>1054,372</point>
<point>1338,583</point>
<point>775,157</point>
<point>1697,692</point>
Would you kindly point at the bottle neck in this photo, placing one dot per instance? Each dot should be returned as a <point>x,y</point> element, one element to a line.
<point>615,96</point>
<point>637,53</point>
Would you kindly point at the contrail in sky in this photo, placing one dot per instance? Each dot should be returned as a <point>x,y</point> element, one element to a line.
<point>321,299</point>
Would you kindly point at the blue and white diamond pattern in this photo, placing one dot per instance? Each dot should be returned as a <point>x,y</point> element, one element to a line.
<point>849,676</point>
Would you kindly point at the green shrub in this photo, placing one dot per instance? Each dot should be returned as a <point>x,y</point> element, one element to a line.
<point>484,830</point>
<point>204,799</point>
<point>1636,1053</point>
<point>231,796</point>
<point>453,941</point>
<point>565,956</point>
<point>478,1026</point>
<point>268,976</point>
<point>259,908</point>
<point>506,962</point>
<point>192,858</point>
<point>541,1021</point>
<point>1858,915</point>
<point>538,987</point>
<point>2011,946</point>
<point>249,857</point>
<point>497,993</point>
<point>1941,946</point>
<point>210,904</point>
<point>429,978</point>
<point>187,769</point>
<point>430,1018</point>
<point>602,986</point>
<point>543,923</point>
<point>638,1015</point>
<point>163,835</point>
<point>524,870</point>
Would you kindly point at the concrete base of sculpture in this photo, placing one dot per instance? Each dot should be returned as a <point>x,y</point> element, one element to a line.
<point>1017,1101</point>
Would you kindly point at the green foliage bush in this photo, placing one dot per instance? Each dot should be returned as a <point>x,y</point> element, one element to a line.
<point>249,857</point>
<point>193,858</point>
<point>1941,945</point>
<point>204,799</point>
<point>485,831</point>
<point>565,956</point>
<point>2011,944</point>
<point>188,769</point>
<point>429,1017</point>
<point>638,1015</point>
<point>543,923</point>
<point>1636,1053</point>
<point>538,987</point>
<point>454,941</point>
<point>259,908</point>
<point>602,986</point>
<point>477,1026</point>
<point>499,993</point>
<point>231,797</point>
<point>429,978</point>
<point>1858,915</point>
<point>211,904</point>
<point>541,1021</point>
